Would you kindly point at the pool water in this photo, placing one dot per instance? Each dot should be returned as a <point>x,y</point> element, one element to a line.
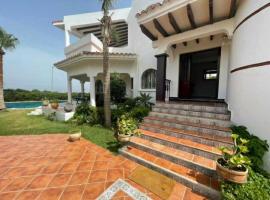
<point>25,104</point>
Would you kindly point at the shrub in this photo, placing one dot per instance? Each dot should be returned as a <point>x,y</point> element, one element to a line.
<point>139,112</point>
<point>257,148</point>
<point>118,88</point>
<point>257,188</point>
<point>85,114</point>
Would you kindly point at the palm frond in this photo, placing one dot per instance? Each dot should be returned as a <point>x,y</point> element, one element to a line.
<point>7,41</point>
<point>106,5</point>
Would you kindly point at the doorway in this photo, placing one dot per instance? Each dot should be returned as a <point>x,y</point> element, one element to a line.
<point>199,74</point>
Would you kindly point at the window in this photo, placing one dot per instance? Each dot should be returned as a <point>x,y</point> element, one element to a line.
<point>210,74</point>
<point>149,79</point>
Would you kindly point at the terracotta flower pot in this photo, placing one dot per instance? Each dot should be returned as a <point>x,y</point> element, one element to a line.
<point>123,138</point>
<point>54,106</point>
<point>45,103</point>
<point>232,175</point>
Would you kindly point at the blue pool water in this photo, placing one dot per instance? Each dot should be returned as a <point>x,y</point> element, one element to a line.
<point>25,104</point>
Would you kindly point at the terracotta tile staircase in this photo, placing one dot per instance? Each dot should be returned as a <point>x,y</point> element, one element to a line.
<point>181,140</point>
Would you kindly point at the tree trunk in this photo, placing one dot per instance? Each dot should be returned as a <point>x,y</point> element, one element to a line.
<point>2,103</point>
<point>106,74</point>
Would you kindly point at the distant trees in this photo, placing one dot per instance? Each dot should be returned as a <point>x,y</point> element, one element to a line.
<point>34,95</point>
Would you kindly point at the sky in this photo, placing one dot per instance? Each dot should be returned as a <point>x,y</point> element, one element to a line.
<point>30,65</point>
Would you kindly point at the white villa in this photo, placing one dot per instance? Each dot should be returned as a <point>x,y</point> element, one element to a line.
<point>204,50</point>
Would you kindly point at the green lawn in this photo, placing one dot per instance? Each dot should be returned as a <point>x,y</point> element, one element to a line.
<point>18,123</point>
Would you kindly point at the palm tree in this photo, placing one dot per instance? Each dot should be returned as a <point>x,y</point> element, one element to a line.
<point>7,42</point>
<point>106,23</point>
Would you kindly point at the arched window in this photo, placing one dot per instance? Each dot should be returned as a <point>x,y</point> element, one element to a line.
<point>149,79</point>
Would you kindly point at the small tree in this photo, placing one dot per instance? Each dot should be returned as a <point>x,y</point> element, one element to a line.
<point>7,42</point>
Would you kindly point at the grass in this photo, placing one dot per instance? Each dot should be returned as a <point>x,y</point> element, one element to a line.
<point>18,123</point>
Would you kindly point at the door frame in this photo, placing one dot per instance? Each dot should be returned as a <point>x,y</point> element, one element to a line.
<point>189,74</point>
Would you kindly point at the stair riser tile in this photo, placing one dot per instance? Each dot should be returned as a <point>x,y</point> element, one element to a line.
<point>184,136</point>
<point>205,121</point>
<point>187,127</point>
<point>193,114</point>
<point>196,108</point>
<point>176,160</point>
<point>208,192</point>
<point>182,147</point>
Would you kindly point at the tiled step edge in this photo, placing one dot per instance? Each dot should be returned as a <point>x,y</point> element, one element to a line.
<point>192,119</point>
<point>208,115</point>
<point>196,108</point>
<point>187,126</point>
<point>185,135</point>
<point>194,185</point>
<point>177,160</point>
<point>183,147</point>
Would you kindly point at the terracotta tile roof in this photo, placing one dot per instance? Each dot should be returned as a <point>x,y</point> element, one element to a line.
<point>152,7</point>
<point>87,53</point>
<point>57,21</point>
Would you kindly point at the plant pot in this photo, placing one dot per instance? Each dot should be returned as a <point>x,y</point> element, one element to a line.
<point>232,175</point>
<point>54,106</point>
<point>45,103</point>
<point>68,107</point>
<point>123,138</point>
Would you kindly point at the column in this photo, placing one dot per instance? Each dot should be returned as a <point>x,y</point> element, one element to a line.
<point>161,77</point>
<point>82,87</point>
<point>67,38</point>
<point>92,91</point>
<point>69,87</point>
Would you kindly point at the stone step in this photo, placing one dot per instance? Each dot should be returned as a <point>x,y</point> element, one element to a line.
<point>193,179</point>
<point>209,107</point>
<point>191,161</point>
<point>192,119</point>
<point>208,115</point>
<point>189,146</point>
<point>184,125</point>
<point>207,139</point>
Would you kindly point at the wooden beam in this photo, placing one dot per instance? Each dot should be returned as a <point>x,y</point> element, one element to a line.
<point>148,33</point>
<point>232,8</point>
<point>174,23</point>
<point>211,37</point>
<point>191,16</point>
<point>211,13</point>
<point>160,28</point>
<point>185,44</point>
<point>197,41</point>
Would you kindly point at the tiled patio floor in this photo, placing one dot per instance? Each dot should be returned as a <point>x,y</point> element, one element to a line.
<point>50,168</point>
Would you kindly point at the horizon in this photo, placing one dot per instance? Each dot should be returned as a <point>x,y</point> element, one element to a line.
<point>29,66</point>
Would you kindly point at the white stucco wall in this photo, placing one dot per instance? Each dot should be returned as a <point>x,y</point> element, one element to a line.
<point>248,92</point>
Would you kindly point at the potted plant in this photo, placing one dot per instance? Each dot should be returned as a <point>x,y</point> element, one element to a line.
<point>233,165</point>
<point>54,104</point>
<point>45,102</point>
<point>126,127</point>
<point>68,107</point>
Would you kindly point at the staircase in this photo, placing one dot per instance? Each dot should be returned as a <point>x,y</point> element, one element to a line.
<point>181,140</point>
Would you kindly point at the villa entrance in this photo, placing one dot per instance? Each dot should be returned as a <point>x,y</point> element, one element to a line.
<point>199,74</point>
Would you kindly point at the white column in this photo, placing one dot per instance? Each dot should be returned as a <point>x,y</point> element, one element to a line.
<point>69,87</point>
<point>67,38</point>
<point>82,87</point>
<point>92,91</point>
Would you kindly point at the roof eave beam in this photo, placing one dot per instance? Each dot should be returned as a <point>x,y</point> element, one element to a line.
<point>191,16</point>
<point>174,23</point>
<point>211,13</point>
<point>148,33</point>
<point>232,8</point>
<point>160,28</point>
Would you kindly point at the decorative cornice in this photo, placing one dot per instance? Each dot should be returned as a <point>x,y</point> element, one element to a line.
<point>94,54</point>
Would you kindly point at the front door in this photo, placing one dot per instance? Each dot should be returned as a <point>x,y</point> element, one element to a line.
<point>199,74</point>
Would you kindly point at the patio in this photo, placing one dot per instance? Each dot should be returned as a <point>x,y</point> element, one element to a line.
<point>48,167</point>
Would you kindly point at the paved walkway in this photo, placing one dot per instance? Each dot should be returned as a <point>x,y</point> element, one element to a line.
<point>50,168</point>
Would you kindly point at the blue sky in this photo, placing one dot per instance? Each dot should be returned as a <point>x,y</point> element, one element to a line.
<point>41,44</point>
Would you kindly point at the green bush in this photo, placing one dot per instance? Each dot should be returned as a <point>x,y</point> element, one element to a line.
<point>257,148</point>
<point>257,188</point>
<point>86,114</point>
<point>139,112</point>
<point>118,88</point>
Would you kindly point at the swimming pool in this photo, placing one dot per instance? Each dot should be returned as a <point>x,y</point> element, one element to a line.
<point>25,104</point>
